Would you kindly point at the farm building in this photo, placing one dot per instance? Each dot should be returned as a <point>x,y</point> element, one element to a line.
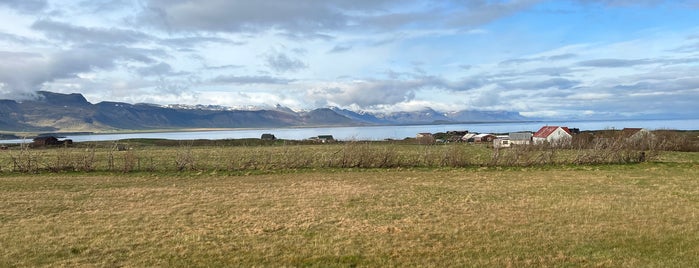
<point>554,135</point>
<point>520,138</point>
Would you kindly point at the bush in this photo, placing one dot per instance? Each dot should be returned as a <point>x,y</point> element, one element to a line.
<point>605,147</point>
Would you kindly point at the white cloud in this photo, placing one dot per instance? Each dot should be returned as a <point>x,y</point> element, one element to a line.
<point>376,55</point>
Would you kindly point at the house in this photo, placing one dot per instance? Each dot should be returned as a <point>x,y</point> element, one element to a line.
<point>425,138</point>
<point>554,135</point>
<point>268,137</point>
<point>520,138</point>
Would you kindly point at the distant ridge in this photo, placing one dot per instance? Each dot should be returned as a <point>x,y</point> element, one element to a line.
<point>57,112</point>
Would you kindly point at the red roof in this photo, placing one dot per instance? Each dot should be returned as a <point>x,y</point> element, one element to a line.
<point>546,131</point>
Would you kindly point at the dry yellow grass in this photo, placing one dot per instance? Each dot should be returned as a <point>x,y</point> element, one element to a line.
<point>610,216</point>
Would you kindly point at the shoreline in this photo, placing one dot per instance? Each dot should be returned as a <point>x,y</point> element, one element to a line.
<point>357,132</point>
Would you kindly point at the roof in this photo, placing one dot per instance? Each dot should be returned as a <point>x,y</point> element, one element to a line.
<point>468,136</point>
<point>483,135</point>
<point>520,135</point>
<point>546,131</point>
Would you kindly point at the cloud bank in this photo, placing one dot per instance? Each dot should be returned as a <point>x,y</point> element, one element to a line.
<point>539,57</point>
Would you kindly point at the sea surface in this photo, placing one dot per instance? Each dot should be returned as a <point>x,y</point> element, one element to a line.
<point>387,132</point>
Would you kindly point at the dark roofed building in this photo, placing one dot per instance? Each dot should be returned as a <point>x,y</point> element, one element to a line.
<point>268,137</point>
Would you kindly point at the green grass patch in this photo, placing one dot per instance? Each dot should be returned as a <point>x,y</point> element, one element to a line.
<point>596,215</point>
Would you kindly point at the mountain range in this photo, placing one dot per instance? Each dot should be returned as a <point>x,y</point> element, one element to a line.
<point>57,112</point>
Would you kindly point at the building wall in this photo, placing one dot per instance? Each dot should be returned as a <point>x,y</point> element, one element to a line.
<point>501,143</point>
<point>557,137</point>
<point>520,138</point>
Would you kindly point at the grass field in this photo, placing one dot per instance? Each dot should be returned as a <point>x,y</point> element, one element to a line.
<point>256,155</point>
<point>633,215</point>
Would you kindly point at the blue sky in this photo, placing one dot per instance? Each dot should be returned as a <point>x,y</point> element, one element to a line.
<point>558,59</point>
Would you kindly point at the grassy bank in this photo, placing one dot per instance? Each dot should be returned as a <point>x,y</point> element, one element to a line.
<point>602,215</point>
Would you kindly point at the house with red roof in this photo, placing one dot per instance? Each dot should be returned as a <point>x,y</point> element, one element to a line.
<point>553,134</point>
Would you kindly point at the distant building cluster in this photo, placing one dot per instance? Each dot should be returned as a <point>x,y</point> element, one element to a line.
<point>557,136</point>
<point>553,135</point>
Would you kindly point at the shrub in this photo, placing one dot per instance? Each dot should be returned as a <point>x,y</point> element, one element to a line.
<point>605,147</point>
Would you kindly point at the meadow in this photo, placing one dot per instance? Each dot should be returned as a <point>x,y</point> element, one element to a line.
<point>254,155</point>
<point>166,203</point>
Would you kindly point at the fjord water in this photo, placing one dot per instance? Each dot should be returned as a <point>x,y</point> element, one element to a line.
<point>388,132</point>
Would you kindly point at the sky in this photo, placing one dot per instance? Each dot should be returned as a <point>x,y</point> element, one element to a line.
<point>556,59</point>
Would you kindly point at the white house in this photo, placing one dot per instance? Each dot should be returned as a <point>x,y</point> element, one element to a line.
<point>552,134</point>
